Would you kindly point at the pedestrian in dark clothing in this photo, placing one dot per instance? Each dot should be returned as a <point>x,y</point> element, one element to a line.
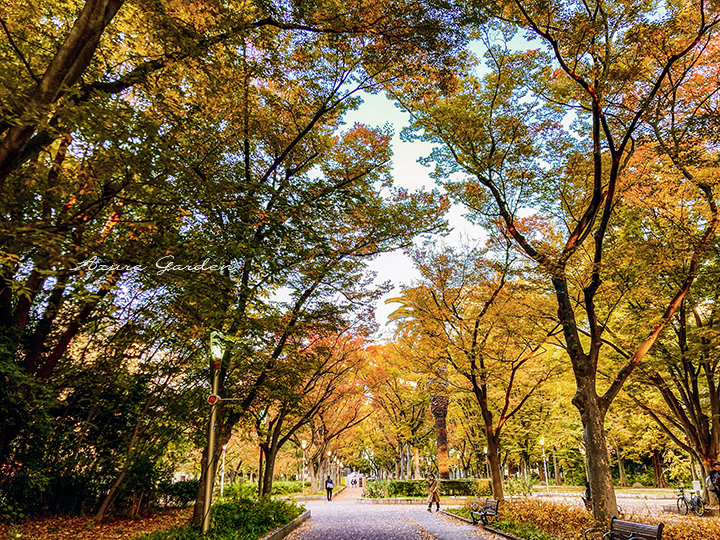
<point>329,487</point>
<point>432,491</point>
<point>713,481</point>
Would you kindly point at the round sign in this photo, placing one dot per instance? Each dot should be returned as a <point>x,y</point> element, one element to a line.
<point>213,399</point>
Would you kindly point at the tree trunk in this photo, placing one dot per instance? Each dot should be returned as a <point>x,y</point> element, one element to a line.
<point>416,460</point>
<point>261,471</point>
<point>439,407</point>
<point>660,481</point>
<point>494,462</point>
<point>621,469</point>
<point>270,456</point>
<point>601,486</point>
<point>556,468</point>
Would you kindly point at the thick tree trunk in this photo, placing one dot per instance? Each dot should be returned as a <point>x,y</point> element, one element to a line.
<point>439,407</point>
<point>601,486</point>
<point>270,456</point>
<point>660,481</point>
<point>621,470</point>
<point>494,462</point>
<point>416,460</point>
<point>556,468</point>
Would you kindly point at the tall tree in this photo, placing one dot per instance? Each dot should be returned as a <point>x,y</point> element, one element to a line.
<point>504,135</point>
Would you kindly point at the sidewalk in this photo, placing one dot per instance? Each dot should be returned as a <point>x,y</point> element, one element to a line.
<point>345,519</point>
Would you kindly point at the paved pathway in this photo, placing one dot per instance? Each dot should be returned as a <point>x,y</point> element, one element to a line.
<point>345,519</point>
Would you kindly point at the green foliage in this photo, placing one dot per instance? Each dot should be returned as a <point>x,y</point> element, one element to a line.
<point>179,494</point>
<point>478,487</point>
<point>239,519</point>
<point>377,489</point>
<point>407,488</point>
<point>247,490</point>
<point>463,487</point>
<point>240,490</point>
<point>518,486</point>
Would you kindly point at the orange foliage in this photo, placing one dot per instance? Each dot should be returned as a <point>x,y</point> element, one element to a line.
<point>568,522</point>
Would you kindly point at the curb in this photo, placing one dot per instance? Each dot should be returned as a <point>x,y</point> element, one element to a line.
<point>317,497</point>
<point>283,531</point>
<point>466,520</point>
<point>501,533</point>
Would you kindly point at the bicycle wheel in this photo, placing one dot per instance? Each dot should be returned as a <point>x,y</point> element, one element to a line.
<point>682,505</point>
<point>698,507</point>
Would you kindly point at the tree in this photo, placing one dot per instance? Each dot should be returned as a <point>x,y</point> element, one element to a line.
<point>503,135</point>
<point>473,317</point>
<point>324,375</point>
<point>404,401</point>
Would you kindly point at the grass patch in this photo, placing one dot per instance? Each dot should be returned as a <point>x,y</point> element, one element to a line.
<point>462,512</point>
<point>526,531</point>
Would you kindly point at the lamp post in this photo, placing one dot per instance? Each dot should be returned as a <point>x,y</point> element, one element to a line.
<point>329,462</point>
<point>486,463</point>
<point>547,482</point>
<point>216,347</point>
<point>222,476</point>
<point>303,445</point>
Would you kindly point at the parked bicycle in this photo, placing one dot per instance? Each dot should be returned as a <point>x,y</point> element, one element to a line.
<point>693,502</point>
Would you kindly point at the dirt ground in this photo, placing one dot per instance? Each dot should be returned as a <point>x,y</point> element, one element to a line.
<point>82,528</point>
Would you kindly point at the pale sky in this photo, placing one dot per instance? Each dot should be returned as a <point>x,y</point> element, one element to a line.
<point>377,110</point>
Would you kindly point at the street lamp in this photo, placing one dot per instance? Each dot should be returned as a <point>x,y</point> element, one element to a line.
<point>303,445</point>
<point>547,482</point>
<point>222,476</point>
<point>217,350</point>
<point>329,462</point>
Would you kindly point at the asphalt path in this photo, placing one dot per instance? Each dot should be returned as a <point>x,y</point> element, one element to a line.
<point>346,519</point>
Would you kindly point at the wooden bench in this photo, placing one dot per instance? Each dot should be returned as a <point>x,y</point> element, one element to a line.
<point>488,509</point>
<point>626,530</point>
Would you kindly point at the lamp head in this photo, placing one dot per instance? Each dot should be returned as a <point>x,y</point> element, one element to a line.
<point>303,444</point>
<point>217,347</point>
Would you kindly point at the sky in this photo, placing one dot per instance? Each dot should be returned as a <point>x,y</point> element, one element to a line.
<point>396,267</point>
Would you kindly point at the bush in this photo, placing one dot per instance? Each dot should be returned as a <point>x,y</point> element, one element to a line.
<point>407,488</point>
<point>464,487</point>
<point>179,494</point>
<point>568,522</point>
<point>240,490</point>
<point>377,489</point>
<point>285,487</point>
<point>240,519</point>
<point>518,486</point>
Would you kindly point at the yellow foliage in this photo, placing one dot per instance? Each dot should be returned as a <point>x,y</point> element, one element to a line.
<point>568,522</point>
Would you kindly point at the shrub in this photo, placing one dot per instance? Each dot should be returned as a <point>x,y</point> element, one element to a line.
<point>559,519</point>
<point>407,488</point>
<point>377,489</point>
<point>518,486</point>
<point>179,494</point>
<point>568,523</point>
<point>467,487</point>
<point>241,490</point>
<point>241,519</point>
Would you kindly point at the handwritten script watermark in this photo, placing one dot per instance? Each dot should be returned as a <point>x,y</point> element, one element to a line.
<point>162,265</point>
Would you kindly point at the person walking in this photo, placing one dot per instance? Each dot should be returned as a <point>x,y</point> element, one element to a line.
<point>713,481</point>
<point>329,487</point>
<point>432,491</point>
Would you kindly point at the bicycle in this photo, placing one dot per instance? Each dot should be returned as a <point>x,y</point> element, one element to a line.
<point>694,503</point>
